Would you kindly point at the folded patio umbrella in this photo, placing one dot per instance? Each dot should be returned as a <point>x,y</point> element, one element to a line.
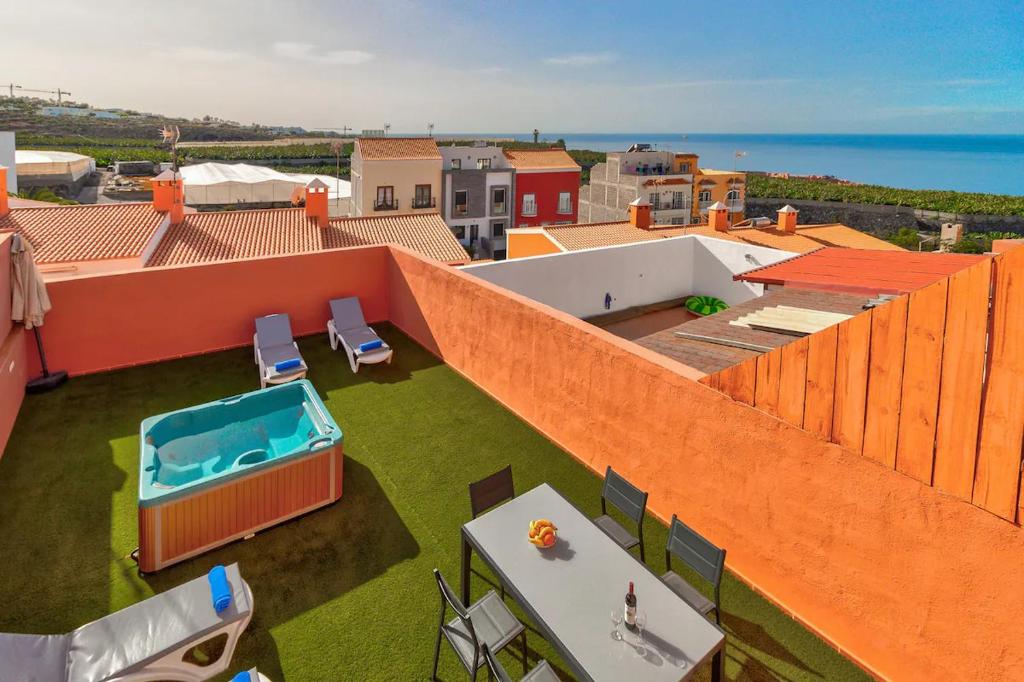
<point>29,304</point>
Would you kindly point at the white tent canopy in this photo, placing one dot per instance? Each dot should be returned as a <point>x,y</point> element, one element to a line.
<point>31,162</point>
<point>231,183</point>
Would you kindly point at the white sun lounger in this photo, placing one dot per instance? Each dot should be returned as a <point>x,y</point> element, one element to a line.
<point>348,326</point>
<point>273,344</point>
<point>146,641</point>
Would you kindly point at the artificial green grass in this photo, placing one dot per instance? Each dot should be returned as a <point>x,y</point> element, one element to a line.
<point>346,592</point>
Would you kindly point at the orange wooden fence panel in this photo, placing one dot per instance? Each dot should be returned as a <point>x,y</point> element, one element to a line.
<point>963,369</point>
<point>922,373</point>
<point>997,478</point>
<point>885,381</point>
<point>821,382</point>
<point>793,382</point>
<point>738,381</point>
<point>852,345</point>
<point>766,389</point>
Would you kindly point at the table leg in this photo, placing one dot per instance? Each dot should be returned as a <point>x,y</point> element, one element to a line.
<point>718,665</point>
<point>467,555</point>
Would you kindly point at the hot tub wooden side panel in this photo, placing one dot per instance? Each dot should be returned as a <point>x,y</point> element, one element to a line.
<point>185,527</point>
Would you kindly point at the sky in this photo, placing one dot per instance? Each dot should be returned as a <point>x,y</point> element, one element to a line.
<point>659,66</point>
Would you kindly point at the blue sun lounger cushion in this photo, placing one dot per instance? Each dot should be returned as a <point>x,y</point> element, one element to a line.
<point>288,364</point>
<point>370,345</point>
<point>244,676</point>
<point>220,588</point>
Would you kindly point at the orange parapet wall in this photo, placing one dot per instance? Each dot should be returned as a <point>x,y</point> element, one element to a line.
<point>13,355</point>
<point>910,582</point>
<point>522,244</point>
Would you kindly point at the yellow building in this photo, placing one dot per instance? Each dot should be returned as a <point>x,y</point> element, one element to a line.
<point>395,174</point>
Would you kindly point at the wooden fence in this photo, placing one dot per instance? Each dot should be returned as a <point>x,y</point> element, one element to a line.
<point>931,384</point>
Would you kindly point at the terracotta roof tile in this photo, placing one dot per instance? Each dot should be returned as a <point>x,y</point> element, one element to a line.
<point>63,234</point>
<point>226,235</point>
<point>862,271</point>
<point>398,148</point>
<point>807,237</point>
<point>540,159</point>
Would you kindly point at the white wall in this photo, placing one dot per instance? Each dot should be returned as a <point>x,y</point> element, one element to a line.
<point>576,282</point>
<point>7,159</point>
<point>634,274</point>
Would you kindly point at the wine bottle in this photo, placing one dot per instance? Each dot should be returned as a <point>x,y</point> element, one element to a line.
<point>629,617</point>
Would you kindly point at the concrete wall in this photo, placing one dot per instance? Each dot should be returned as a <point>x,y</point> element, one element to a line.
<point>102,322</point>
<point>912,583</point>
<point>633,274</point>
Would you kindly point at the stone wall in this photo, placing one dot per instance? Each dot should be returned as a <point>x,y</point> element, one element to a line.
<point>881,220</point>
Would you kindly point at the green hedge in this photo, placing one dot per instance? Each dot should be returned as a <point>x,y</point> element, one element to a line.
<point>930,200</point>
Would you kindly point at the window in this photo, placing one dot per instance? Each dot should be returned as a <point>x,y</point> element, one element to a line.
<point>704,195</point>
<point>565,202</point>
<point>498,230</point>
<point>500,254</point>
<point>422,198</point>
<point>459,231</point>
<point>529,204</point>
<point>461,206</point>
<point>385,199</point>
<point>498,200</point>
<point>474,233</point>
<point>677,200</point>
<point>483,164</point>
<point>456,164</point>
<point>680,221</point>
<point>733,201</point>
<point>684,168</point>
<point>654,198</point>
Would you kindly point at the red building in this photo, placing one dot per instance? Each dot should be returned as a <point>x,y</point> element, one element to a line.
<point>547,187</point>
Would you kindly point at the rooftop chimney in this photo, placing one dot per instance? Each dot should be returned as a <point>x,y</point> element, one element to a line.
<point>169,195</point>
<point>316,202</point>
<point>5,205</point>
<point>787,219</point>
<point>718,217</point>
<point>640,213</point>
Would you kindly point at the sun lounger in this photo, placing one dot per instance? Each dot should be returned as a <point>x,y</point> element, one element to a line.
<point>361,343</point>
<point>150,640</point>
<point>277,354</point>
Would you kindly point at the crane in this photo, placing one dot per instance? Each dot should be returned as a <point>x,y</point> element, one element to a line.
<point>60,93</point>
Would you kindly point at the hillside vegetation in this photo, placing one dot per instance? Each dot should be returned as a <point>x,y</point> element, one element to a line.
<point>929,200</point>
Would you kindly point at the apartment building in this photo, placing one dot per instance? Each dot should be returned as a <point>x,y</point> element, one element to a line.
<point>395,174</point>
<point>678,190</point>
<point>476,197</point>
<point>547,185</point>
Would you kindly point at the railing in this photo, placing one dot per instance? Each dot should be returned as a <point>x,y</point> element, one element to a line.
<point>680,205</point>
<point>928,384</point>
<point>429,202</point>
<point>530,209</point>
<point>704,205</point>
<point>460,210</point>
<point>565,209</point>
<point>734,206</point>
<point>386,205</point>
<point>498,208</point>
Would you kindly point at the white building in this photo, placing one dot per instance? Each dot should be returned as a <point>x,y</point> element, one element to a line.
<point>476,197</point>
<point>7,159</point>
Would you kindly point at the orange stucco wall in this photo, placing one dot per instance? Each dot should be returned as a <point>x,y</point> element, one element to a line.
<point>13,358</point>
<point>524,244</point>
<point>116,320</point>
<point>912,583</point>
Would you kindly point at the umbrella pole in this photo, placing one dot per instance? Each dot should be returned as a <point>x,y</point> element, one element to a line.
<point>47,381</point>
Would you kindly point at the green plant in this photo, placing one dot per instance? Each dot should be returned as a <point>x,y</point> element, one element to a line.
<point>906,238</point>
<point>44,194</point>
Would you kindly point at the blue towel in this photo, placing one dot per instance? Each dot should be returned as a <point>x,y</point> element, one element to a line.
<point>370,345</point>
<point>220,588</point>
<point>288,364</point>
<point>243,676</point>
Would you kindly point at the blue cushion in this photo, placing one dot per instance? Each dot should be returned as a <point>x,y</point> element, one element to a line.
<point>243,676</point>
<point>288,364</point>
<point>220,588</point>
<point>370,345</point>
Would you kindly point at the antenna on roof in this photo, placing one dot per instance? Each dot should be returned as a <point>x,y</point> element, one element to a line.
<point>171,135</point>
<point>737,155</point>
<point>536,135</point>
<point>387,127</point>
<point>430,130</point>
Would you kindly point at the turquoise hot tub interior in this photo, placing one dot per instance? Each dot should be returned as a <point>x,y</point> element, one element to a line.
<point>198,446</point>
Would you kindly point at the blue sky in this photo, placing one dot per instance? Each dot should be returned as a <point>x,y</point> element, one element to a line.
<point>887,67</point>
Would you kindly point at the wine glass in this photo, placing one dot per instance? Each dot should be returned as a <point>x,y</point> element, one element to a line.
<point>641,623</point>
<point>616,621</point>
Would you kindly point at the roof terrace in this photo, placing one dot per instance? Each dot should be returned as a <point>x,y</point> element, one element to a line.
<point>871,559</point>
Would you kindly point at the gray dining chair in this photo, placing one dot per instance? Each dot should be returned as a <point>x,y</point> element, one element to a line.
<point>491,491</point>
<point>486,621</point>
<point>629,500</point>
<point>704,558</point>
<point>542,672</point>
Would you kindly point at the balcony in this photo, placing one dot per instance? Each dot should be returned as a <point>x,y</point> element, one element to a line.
<point>391,205</point>
<point>703,206</point>
<point>448,411</point>
<point>428,202</point>
<point>460,210</point>
<point>734,206</point>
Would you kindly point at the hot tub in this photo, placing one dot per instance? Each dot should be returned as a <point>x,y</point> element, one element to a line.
<point>217,472</point>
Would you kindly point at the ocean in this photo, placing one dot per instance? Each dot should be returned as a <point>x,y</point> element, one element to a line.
<point>966,163</point>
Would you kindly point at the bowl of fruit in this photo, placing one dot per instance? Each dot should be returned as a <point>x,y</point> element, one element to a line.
<point>543,533</point>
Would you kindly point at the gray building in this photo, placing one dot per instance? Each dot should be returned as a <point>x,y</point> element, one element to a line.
<point>476,197</point>
<point>665,179</point>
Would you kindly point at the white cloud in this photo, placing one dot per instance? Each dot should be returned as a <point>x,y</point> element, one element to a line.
<point>682,85</point>
<point>582,59</point>
<point>309,53</point>
<point>195,53</point>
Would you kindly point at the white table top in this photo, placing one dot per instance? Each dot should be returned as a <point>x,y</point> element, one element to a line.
<point>572,588</point>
